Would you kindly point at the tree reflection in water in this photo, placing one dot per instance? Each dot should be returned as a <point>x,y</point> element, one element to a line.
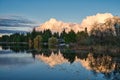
<point>100,63</point>
<point>107,64</point>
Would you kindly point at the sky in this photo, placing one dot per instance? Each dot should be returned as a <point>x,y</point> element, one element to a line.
<point>39,11</point>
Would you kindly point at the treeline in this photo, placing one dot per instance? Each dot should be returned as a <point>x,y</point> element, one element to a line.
<point>35,38</point>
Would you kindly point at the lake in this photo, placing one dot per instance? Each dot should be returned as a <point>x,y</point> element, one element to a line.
<point>19,63</point>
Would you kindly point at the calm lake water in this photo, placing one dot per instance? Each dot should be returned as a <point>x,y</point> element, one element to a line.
<point>19,63</point>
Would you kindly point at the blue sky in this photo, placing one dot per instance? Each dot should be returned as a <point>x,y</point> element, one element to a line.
<point>64,10</point>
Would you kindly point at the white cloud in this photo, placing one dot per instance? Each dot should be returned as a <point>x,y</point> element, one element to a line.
<point>58,26</point>
<point>99,18</point>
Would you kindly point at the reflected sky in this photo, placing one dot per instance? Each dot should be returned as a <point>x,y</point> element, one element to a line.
<point>15,60</point>
<point>58,65</point>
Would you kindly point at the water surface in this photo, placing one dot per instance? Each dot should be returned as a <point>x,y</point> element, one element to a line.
<point>67,64</point>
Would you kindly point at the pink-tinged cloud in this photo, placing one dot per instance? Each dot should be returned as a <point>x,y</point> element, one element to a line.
<point>98,18</point>
<point>59,26</point>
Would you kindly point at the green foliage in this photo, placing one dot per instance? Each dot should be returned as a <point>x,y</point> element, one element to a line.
<point>35,38</point>
<point>30,43</point>
<point>4,38</point>
<point>46,35</point>
<point>17,37</point>
<point>83,38</point>
<point>63,34</point>
<point>37,41</point>
<point>33,34</point>
<point>56,35</point>
<point>69,37</point>
<point>52,42</point>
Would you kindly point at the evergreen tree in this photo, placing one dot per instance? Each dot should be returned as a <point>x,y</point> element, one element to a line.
<point>70,37</point>
<point>46,35</point>
<point>63,34</point>
<point>33,34</point>
<point>56,34</point>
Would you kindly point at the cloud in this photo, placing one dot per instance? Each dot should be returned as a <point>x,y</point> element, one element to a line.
<point>11,24</point>
<point>9,31</point>
<point>98,18</point>
<point>58,26</point>
<point>15,21</point>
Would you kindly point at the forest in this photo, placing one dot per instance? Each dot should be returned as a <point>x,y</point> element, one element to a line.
<point>46,37</point>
